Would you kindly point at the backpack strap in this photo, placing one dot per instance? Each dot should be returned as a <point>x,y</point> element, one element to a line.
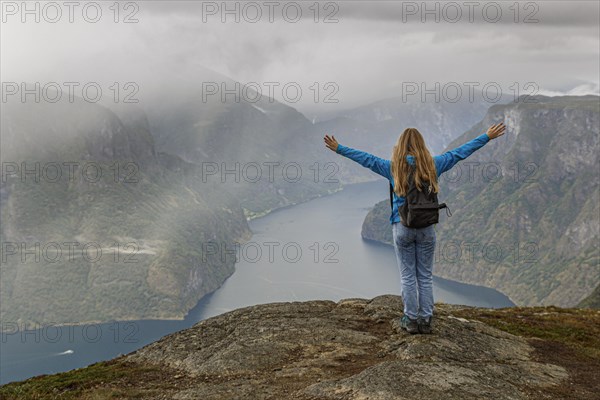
<point>443,205</point>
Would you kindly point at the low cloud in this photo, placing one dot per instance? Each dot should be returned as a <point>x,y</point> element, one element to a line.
<point>368,54</point>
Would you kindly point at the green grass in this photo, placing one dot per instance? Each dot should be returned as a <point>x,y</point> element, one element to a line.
<point>576,328</point>
<point>83,383</point>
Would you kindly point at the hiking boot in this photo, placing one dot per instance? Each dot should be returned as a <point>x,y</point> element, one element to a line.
<point>409,324</point>
<point>424,325</point>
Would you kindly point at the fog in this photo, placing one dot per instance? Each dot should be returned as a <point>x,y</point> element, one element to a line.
<point>366,50</point>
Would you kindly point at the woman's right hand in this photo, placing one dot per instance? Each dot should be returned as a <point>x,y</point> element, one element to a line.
<point>330,142</point>
<point>496,130</point>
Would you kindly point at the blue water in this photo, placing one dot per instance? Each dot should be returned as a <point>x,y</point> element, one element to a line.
<point>310,251</point>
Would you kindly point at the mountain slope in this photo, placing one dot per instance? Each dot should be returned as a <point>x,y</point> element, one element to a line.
<point>525,207</point>
<point>352,349</point>
<point>267,151</point>
<point>592,301</point>
<point>127,244</point>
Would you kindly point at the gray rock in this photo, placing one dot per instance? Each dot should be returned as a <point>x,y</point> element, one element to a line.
<point>353,349</point>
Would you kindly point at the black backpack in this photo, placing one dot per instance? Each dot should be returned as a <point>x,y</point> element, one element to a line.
<point>420,208</point>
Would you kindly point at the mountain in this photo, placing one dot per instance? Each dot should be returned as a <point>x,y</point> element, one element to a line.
<point>156,197</point>
<point>351,349</point>
<point>97,225</point>
<point>525,207</point>
<point>268,151</point>
<point>380,123</point>
<point>228,132</point>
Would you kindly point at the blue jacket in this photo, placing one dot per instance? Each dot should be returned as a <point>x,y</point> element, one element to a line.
<point>443,163</point>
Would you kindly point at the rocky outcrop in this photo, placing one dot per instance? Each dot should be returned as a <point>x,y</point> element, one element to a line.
<point>352,349</point>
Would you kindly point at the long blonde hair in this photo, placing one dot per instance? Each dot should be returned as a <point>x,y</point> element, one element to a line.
<point>411,142</point>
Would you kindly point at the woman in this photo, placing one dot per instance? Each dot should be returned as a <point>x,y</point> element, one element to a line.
<point>414,246</point>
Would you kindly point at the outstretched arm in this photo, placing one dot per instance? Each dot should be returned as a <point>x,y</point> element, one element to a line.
<point>376,164</point>
<point>446,161</point>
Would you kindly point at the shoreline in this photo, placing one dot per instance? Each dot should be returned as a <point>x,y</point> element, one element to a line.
<point>387,245</point>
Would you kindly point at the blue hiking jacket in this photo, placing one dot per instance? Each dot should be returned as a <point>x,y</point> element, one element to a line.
<point>443,163</point>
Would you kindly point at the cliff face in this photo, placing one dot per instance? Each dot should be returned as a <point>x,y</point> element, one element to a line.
<point>120,236</point>
<point>525,207</point>
<point>352,349</point>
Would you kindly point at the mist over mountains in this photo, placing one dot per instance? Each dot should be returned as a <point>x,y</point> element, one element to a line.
<point>179,172</point>
<point>103,226</point>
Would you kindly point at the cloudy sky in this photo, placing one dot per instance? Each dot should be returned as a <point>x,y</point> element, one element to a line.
<point>355,52</point>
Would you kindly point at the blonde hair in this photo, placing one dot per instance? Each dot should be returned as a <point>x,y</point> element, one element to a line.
<point>411,142</point>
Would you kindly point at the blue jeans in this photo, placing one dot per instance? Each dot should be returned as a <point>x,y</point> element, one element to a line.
<point>415,251</point>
